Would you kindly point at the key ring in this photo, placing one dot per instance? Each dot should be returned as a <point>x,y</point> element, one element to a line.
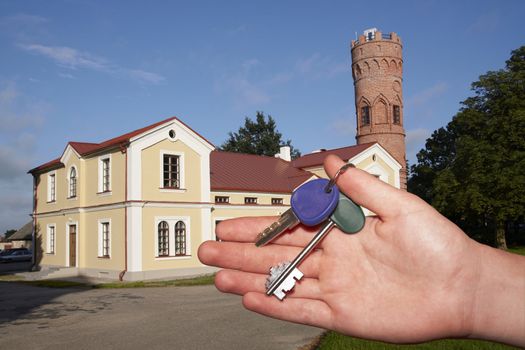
<point>341,170</point>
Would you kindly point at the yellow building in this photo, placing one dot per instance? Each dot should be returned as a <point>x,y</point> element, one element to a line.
<point>138,206</point>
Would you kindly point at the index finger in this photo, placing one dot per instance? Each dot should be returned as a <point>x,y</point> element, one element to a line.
<point>246,229</point>
<point>366,190</point>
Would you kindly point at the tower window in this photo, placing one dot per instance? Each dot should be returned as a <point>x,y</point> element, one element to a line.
<point>397,114</point>
<point>365,115</point>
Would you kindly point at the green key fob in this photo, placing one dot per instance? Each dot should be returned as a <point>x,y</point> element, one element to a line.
<point>348,216</point>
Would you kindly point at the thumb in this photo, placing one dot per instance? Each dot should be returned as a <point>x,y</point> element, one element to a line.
<point>365,189</point>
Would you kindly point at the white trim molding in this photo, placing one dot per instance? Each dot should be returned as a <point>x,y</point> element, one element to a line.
<point>48,239</point>
<point>156,135</point>
<point>172,221</point>
<point>77,185</point>
<point>182,166</point>
<point>100,242</point>
<point>100,176</point>
<point>52,174</point>
<point>375,168</point>
<point>77,239</point>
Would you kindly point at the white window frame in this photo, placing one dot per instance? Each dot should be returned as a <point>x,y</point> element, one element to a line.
<point>172,220</point>
<point>100,238</point>
<point>69,183</point>
<point>48,239</point>
<point>182,182</point>
<point>101,160</point>
<point>50,175</point>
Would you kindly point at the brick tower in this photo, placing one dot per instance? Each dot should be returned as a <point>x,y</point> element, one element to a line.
<point>377,68</point>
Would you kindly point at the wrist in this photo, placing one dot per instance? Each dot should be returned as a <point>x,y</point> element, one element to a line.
<point>498,311</point>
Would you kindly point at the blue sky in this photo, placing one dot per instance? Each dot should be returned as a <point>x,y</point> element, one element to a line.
<point>78,70</point>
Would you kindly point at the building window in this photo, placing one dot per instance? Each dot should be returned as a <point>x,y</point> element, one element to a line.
<point>51,239</point>
<point>180,238</point>
<point>250,200</point>
<point>277,201</point>
<point>51,194</point>
<point>397,114</point>
<point>163,239</point>
<point>171,171</point>
<point>365,115</point>
<point>73,182</point>
<point>105,175</point>
<point>104,239</point>
<point>222,199</point>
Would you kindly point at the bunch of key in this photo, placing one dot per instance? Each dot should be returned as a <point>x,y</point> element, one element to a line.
<point>312,203</point>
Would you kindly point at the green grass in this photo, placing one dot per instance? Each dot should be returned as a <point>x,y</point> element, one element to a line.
<point>517,250</point>
<point>197,281</point>
<point>54,284</point>
<point>335,341</point>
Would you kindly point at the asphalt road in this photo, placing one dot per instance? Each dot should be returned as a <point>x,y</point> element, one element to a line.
<point>140,318</point>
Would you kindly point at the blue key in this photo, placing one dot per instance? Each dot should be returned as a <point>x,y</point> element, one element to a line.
<point>311,204</point>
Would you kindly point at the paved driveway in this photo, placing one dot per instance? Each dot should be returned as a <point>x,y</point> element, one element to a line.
<point>141,318</point>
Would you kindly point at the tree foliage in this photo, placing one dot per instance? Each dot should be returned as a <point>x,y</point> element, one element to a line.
<point>258,137</point>
<point>9,233</point>
<point>473,170</point>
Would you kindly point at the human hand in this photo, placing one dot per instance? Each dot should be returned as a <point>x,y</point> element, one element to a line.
<point>410,275</point>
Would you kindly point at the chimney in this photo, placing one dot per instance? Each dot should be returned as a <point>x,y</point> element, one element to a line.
<point>284,153</point>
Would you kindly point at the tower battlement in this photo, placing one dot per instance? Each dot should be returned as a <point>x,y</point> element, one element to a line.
<point>373,34</point>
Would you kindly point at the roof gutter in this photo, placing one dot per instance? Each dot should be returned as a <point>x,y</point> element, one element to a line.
<point>123,149</point>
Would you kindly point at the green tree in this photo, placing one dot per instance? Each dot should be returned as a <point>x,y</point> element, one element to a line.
<point>9,233</point>
<point>472,171</point>
<point>258,137</point>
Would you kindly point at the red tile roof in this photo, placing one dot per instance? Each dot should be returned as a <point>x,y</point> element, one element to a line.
<point>316,159</point>
<point>248,172</point>
<point>86,148</point>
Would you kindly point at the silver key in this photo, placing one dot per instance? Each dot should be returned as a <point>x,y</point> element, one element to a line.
<point>285,281</point>
<point>287,220</point>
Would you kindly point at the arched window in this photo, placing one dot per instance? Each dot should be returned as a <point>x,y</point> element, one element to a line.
<point>180,238</point>
<point>163,239</point>
<point>365,115</point>
<point>73,182</point>
<point>396,114</point>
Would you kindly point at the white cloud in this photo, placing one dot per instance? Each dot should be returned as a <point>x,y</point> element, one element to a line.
<point>13,118</point>
<point>426,95</point>
<point>247,93</point>
<point>20,121</point>
<point>415,141</point>
<point>319,67</point>
<point>68,57</point>
<point>74,59</point>
<point>26,19</point>
<point>343,127</point>
<point>484,23</point>
<point>147,77</point>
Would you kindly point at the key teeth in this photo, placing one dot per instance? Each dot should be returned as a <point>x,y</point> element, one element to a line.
<point>288,284</point>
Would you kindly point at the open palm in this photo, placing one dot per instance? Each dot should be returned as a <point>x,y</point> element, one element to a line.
<point>408,276</point>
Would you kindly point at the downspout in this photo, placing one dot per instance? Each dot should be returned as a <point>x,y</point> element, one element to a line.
<point>123,149</point>
<point>33,235</point>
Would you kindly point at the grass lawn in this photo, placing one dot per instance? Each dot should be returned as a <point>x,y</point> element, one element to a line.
<point>517,250</point>
<point>335,341</point>
<point>196,281</point>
